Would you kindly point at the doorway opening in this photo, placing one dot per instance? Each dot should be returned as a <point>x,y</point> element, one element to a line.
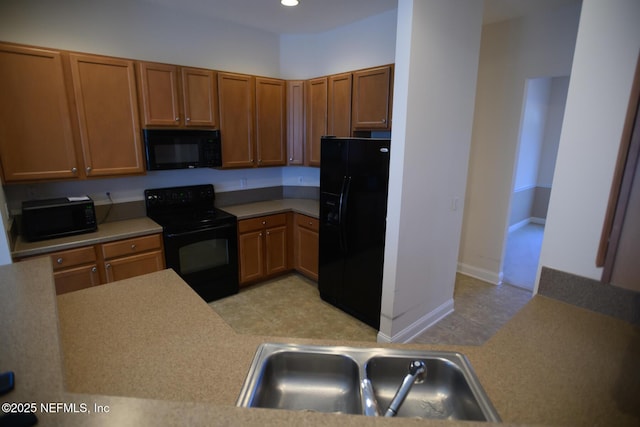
<point>540,127</point>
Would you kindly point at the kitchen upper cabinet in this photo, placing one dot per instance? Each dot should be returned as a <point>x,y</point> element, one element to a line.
<point>339,105</point>
<point>295,122</point>
<point>316,118</point>
<point>159,94</point>
<point>306,244</point>
<point>372,97</point>
<point>200,97</point>
<point>36,131</point>
<point>271,125</point>
<point>263,246</point>
<point>107,109</point>
<point>236,102</point>
<point>177,96</point>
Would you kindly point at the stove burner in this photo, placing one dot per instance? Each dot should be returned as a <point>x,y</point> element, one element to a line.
<point>185,208</point>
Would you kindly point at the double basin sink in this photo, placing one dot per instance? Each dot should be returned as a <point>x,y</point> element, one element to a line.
<point>330,379</point>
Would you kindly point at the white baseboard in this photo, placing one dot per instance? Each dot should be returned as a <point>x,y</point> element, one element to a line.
<point>419,326</point>
<point>480,273</point>
<point>536,220</point>
<point>531,220</point>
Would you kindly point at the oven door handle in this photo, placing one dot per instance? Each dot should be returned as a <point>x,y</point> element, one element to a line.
<point>201,230</point>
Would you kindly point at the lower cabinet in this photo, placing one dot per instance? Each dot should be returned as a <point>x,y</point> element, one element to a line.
<point>305,245</point>
<point>263,246</point>
<point>75,269</point>
<point>132,257</point>
<point>274,244</point>
<point>81,268</point>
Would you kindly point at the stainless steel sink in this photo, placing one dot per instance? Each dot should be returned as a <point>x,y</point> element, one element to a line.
<point>328,379</point>
<point>312,381</point>
<point>445,393</point>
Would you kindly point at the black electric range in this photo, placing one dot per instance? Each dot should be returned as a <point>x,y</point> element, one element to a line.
<point>200,240</point>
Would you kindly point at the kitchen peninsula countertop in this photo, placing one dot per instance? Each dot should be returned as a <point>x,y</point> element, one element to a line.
<point>107,232</point>
<point>154,353</point>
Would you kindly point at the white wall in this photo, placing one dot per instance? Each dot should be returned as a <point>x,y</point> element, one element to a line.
<point>437,53</point>
<point>511,52</point>
<point>5,253</point>
<point>555,115</point>
<point>532,129</point>
<point>366,43</point>
<point>133,29</point>
<point>606,53</point>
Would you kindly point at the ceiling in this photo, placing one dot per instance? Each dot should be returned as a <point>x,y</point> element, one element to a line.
<point>313,16</point>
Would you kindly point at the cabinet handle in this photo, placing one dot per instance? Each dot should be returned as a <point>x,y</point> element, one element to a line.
<point>268,233</point>
<point>74,170</point>
<point>177,119</point>
<point>260,234</point>
<point>310,223</point>
<point>264,222</point>
<point>291,159</point>
<point>133,247</point>
<point>188,119</point>
<point>94,269</point>
<point>384,120</point>
<point>88,170</point>
<point>59,260</point>
<point>107,266</point>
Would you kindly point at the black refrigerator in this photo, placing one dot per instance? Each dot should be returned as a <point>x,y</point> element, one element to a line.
<point>354,179</point>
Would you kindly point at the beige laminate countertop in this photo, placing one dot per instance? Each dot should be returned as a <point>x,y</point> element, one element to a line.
<point>156,354</point>
<point>107,232</point>
<point>250,210</point>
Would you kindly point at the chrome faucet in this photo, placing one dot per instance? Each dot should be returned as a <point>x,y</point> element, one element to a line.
<point>417,374</point>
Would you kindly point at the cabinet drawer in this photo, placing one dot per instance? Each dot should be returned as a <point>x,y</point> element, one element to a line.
<point>262,222</point>
<point>131,246</point>
<point>307,222</point>
<point>72,257</point>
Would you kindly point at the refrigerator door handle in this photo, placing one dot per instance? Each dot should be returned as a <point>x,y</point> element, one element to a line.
<point>342,213</point>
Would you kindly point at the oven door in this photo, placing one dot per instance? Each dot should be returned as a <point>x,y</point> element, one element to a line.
<point>206,259</point>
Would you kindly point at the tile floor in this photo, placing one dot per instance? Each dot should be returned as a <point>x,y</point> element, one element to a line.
<point>290,306</point>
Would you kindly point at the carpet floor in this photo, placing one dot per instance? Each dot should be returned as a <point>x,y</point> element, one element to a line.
<point>290,306</point>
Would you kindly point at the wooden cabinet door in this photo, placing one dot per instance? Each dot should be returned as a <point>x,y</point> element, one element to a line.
<point>271,128</point>
<point>372,98</point>
<point>105,94</point>
<point>236,102</point>
<point>250,247</point>
<point>339,105</point>
<point>277,259</point>
<point>200,97</point>
<point>36,136</point>
<point>74,279</point>
<point>158,88</point>
<point>316,119</point>
<point>306,246</point>
<point>131,266</point>
<point>295,122</point>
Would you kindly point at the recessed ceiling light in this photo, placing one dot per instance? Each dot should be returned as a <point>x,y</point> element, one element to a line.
<point>289,2</point>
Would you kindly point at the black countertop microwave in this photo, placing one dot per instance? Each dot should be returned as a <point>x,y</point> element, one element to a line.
<point>182,148</point>
<point>50,218</point>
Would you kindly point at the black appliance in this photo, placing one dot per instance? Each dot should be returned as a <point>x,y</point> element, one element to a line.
<point>64,216</point>
<point>200,241</point>
<point>182,148</point>
<point>354,178</point>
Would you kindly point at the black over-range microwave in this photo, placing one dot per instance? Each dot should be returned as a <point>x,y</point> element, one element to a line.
<point>182,148</point>
<point>46,219</point>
